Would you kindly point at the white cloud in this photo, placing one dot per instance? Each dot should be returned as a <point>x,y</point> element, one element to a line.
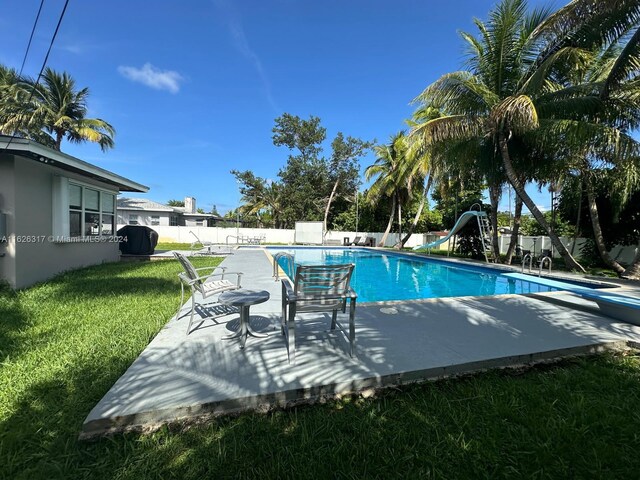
<point>153,77</point>
<point>241,44</point>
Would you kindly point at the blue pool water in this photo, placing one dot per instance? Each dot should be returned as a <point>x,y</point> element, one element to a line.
<point>380,276</point>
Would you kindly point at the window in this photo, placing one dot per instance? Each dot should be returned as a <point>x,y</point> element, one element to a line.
<point>133,219</point>
<point>199,223</point>
<point>173,221</point>
<point>155,219</point>
<point>91,211</point>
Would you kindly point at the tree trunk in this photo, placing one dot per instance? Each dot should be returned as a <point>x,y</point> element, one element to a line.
<point>633,271</point>
<point>518,186</point>
<point>494,196</point>
<point>517,217</point>
<point>386,232</point>
<point>416,219</point>
<point>59,137</point>
<point>326,210</point>
<point>578,220</point>
<point>597,229</point>
<point>398,245</point>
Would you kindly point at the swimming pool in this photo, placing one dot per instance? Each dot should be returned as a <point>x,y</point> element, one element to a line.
<point>381,276</point>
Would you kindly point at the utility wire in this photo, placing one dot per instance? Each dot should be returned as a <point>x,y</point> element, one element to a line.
<point>44,64</point>
<point>31,38</point>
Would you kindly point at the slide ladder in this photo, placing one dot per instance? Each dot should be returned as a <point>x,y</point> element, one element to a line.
<point>484,226</point>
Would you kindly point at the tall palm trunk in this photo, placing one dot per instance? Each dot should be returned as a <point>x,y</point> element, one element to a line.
<point>386,232</point>
<point>59,137</point>
<point>633,271</point>
<point>597,229</point>
<point>517,218</point>
<point>578,220</point>
<point>494,198</point>
<point>518,186</point>
<point>416,219</point>
<point>328,207</point>
<point>398,245</point>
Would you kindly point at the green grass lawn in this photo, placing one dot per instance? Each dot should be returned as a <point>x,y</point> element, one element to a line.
<point>64,343</point>
<point>174,246</point>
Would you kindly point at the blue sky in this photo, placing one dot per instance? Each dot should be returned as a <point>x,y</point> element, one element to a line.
<point>193,88</point>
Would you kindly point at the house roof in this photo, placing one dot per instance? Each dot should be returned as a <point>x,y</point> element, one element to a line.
<point>142,204</point>
<point>40,153</point>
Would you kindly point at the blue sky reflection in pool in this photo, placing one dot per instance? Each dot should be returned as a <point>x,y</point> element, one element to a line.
<point>382,276</point>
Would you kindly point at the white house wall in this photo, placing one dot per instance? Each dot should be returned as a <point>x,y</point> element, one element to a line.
<point>32,216</point>
<point>7,206</point>
<point>144,217</point>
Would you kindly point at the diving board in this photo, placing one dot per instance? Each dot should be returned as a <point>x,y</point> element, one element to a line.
<point>615,305</point>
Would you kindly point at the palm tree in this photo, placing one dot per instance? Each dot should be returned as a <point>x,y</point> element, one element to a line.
<point>423,165</point>
<point>489,101</point>
<point>393,176</point>
<point>259,196</point>
<point>52,110</point>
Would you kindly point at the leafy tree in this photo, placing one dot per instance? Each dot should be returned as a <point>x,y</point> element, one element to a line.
<point>175,203</point>
<point>304,178</point>
<point>619,220</point>
<point>344,168</point>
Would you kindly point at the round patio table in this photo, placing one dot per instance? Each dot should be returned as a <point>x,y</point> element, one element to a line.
<point>244,298</point>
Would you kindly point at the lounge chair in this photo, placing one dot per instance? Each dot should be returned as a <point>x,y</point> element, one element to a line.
<point>356,241</point>
<point>206,285</point>
<point>318,288</point>
<point>370,242</point>
<point>199,247</point>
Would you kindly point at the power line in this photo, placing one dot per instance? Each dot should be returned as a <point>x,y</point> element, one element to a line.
<point>31,38</point>
<point>44,64</point>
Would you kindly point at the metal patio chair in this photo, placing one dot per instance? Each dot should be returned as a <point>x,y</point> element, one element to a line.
<point>206,285</point>
<point>318,288</point>
<point>198,247</point>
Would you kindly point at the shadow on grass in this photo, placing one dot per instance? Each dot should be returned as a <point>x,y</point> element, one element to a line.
<point>559,419</point>
<point>13,318</point>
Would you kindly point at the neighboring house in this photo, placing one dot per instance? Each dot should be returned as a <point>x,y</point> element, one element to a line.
<point>57,212</point>
<point>140,211</point>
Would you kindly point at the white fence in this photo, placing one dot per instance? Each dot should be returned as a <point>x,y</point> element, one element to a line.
<point>622,254</point>
<point>269,235</point>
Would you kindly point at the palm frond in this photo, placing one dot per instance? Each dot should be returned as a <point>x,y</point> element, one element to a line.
<point>517,114</point>
<point>627,63</point>
<point>458,92</point>
<point>451,127</point>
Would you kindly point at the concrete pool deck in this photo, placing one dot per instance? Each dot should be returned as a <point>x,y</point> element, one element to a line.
<point>179,377</point>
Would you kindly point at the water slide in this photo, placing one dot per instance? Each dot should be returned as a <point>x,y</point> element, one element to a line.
<point>462,221</point>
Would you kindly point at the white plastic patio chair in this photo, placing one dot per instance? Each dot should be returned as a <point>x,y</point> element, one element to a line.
<point>318,288</point>
<point>206,285</point>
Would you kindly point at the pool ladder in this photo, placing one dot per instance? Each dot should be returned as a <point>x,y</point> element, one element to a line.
<point>541,263</point>
<point>288,264</point>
